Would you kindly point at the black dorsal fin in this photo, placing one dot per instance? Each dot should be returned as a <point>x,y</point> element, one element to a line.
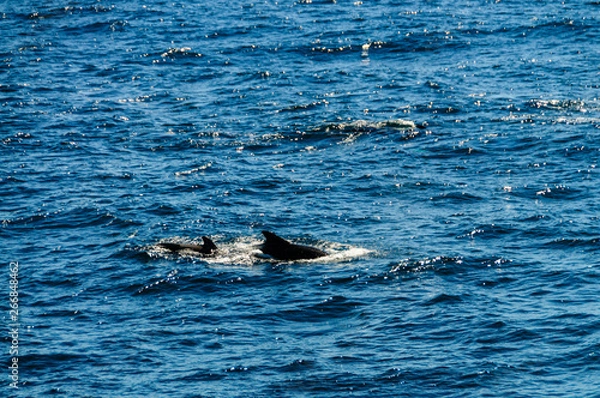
<point>209,245</point>
<point>272,238</point>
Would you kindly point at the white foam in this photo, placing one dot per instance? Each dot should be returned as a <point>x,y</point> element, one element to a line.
<point>241,251</point>
<point>345,255</point>
<point>397,124</point>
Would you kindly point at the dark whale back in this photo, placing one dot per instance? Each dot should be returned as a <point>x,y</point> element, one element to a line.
<point>208,247</point>
<point>281,249</point>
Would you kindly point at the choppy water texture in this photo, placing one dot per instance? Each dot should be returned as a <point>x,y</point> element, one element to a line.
<point>445,152</point>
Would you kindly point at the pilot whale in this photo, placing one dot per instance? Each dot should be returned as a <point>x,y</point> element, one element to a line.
<point>281,249</point>
<point>207,248</point>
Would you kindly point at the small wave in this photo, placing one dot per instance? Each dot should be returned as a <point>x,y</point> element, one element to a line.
<point>174,54</point>
<point>159,285</point>
<point>530,118</point>
<point>577,120</point>
<point>567,243</point>
<point>298,365</point>
<point>325,310</point>
<point>69,10</point>
<point>445,264</point>
<point>426,264</point>
<point>303,107</point>
<point>80,217</point>
<point>179,52</point>
<point>558,105</point>
<point>489,231</point>
<point>331,50</point>
<point>351,130</point>
<point>194,170</point>
<point>443,299</point>
<point>360,125</point>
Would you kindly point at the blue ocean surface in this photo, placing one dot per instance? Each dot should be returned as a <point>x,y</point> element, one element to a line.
<point>444,153</point>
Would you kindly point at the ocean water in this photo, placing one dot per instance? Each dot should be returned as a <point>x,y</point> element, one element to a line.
<point>445,153</point>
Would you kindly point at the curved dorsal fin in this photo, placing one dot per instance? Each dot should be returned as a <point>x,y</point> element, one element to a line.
<point>209,245</point>
<point>272,238</point>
